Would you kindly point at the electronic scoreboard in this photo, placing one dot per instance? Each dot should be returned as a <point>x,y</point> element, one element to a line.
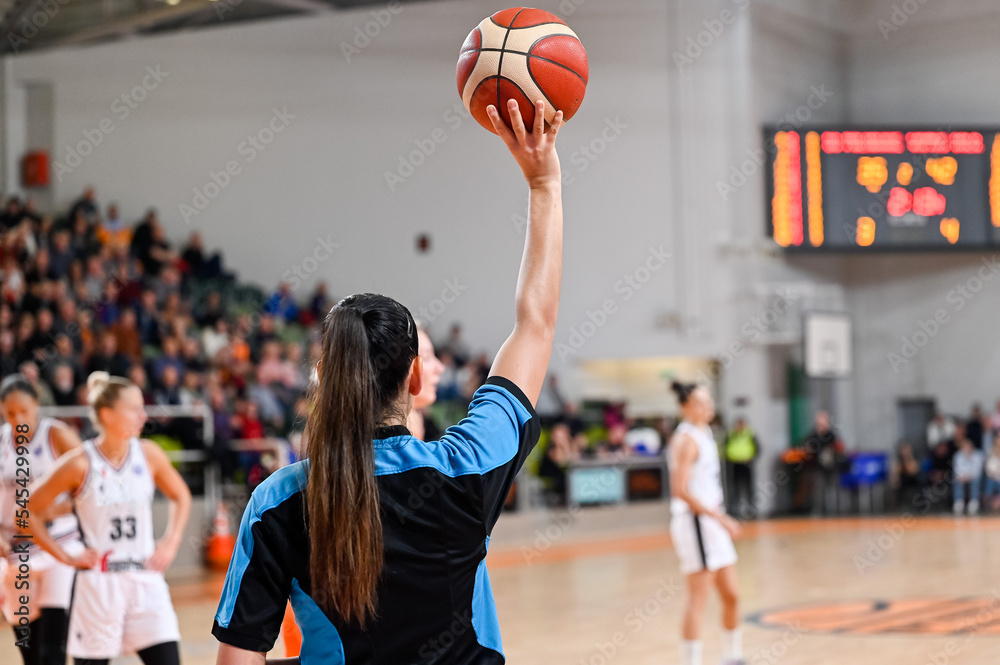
<point>884,189</point>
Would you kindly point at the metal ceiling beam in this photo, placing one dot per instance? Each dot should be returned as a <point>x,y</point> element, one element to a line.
<point>134,23</point>
<point>308,6</point>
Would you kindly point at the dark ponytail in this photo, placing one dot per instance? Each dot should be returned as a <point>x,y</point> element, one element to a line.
<point>369,342</point>
<point>683,391</point>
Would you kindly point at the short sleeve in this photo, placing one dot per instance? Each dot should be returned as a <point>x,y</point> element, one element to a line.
<point>500,431</point>
<point>258,582</point>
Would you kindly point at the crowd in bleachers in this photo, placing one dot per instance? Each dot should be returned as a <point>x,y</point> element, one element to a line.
<point>962,462</point>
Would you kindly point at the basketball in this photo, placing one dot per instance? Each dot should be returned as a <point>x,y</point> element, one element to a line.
<point>523,54</point>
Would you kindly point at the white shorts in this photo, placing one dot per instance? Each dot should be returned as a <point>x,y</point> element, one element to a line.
<point>50,582</point>
<point>117,613</point>
<point>701,543</point>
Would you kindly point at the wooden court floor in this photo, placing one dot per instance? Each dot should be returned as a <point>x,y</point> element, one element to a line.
<point>884,590</point>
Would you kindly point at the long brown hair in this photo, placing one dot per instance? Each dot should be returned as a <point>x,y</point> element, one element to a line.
<point>369,343</point>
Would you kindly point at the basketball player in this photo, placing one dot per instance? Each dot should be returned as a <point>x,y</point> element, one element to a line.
<point>121,602</point>
<point>432,369</point>
<point>39,441</point>
<point>701,531</point>
<point>390,566</point>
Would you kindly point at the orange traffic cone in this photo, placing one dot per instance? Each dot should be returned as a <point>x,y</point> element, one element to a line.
<point>291,634</point>
<point>222,542</point>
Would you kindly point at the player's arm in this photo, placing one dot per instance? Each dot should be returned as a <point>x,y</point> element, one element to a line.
<point>63,439</point>
<point>169,482</point>
<point>68,475</point>
<point>524,357</point>
<point>230,655</point>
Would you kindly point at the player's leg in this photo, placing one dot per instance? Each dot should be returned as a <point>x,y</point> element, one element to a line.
<point>698,586</point>
<point>727,584</point>
<point>167,653</point>
<point>55,592</point>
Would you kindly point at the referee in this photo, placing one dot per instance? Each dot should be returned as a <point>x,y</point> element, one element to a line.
<point>379,539</point>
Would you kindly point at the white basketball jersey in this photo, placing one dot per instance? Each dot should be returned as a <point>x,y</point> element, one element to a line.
<point>705,480</point>
<point>114,506</point>
<point>41,458</point>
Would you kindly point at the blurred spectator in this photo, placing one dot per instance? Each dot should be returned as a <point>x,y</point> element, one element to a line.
<point>614,445</point>
<point>81,241</point>
<point>169,391</point>
<point>281,305</point>
<point>246,423</point>
<point>30,371</point>
<point>148,322</point>
<point>968,463</point>
<point>905,474</point>
<point>215,338</point>
<point>552,469</point>
<point>456,346</point>
<point>65,355</point>
<point>170,357</point>
<point>113,233</point>
<point>191,352</point>
<point>198,265</point>
<point>448,384</point>
<point>150,245</point>
<point>64,386</point>
<point>975,428</point>
<point>995,421</point>
<point>992,491</point>
<point>61,255</point>
<point>137,375</point>
<point>940,428</point>
<point>107,357</point>
<point>11,215</point>
<point>211,312</point>
<point>86,206</point>
<point>8,356</point>
<point>741,450</point>
<point>126,336</point>
<point>319,303</point>
<point>67,323</point>
<point>824,461</point>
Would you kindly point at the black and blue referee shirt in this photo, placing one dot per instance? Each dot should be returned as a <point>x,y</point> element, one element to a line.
<point>440,500</point>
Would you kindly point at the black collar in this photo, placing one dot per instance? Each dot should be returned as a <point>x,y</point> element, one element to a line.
<point>391,431</point>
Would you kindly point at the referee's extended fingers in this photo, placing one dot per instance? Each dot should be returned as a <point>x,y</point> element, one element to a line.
<point>501,129</point>
<point>517,122</point>
<point>539,128</point>
<point>557,123</point>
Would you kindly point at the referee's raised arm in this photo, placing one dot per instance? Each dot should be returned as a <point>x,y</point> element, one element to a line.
<point>524,357</point>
